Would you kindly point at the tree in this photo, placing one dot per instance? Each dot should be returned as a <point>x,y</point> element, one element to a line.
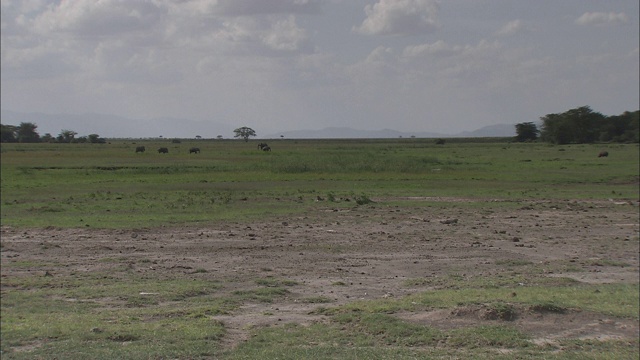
<point>95,139</point>
<point>555,129</point>
<point>526,131</point>
<point>27,133</point>
<point>621,128</point>
<point>8,133</point>
<point>66,136</point>
<point>47,138</point>
<point>583,125</point>
<point>244,132</point>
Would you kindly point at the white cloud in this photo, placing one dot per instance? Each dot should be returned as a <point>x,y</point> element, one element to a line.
<point>86,18</point>
<point>285,35</point>
<point>400,17</point>
<point>257,7</point>
<point>139,41</point>
<point>271,35</point>
<point>510,28</point>
<point>445,51</point>
<point>602,18</point>
<point>380,54</point>
<point>439,48</point>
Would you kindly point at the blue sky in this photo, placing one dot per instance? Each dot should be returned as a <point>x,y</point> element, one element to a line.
<point>279,65</point>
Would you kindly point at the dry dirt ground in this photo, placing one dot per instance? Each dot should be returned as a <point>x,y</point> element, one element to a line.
<point>372,250</point>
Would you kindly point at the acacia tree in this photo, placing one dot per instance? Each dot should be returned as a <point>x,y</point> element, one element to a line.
<point>244,132</point>
<point>95,139</point>
<point>8,133</point>
<point>526,131</point>
<point>26,133</point>
<point>66,136</point>
<point>621,128</point>
<point>555,129</point>
<point>47,138</point>
<point>583,125</point>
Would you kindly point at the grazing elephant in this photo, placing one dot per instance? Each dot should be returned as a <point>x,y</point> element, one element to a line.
<point>163,150</point>
<point>603,154</point>
<point>140,149</point>
<point>262,146</point>
<point>194,150</point>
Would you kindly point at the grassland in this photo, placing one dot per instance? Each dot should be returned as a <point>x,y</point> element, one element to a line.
<point>111,186</point>
<point>320,249</point>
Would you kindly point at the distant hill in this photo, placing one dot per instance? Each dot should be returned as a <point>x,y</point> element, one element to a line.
<point>349,133</point>
<point>500,130</point>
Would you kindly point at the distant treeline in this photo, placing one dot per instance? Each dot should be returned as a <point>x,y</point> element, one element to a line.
<point>26,133</point>
<point>583,125</point>
<point>576,126</point>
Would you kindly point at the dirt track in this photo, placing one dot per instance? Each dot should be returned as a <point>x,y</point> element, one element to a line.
<point>372,250</point>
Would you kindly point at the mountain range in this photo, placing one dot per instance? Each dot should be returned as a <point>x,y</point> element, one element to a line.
<point>111,126</point>
<point>499,130</point>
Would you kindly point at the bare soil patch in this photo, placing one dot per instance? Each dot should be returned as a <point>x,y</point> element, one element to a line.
<point>367,252</point>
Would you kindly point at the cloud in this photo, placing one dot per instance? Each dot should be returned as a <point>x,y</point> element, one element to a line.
<point>143,41</point>
<point>271,35</point>
<point>439,48</point>
<point>511,28</point>
<point>285,35</point>
<point>602,18</point>
<point>443,50</point>
<point>400,17</point>
<point>260,7</point>
<point>87,18</point>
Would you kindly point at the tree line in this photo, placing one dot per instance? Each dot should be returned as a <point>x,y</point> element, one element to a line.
<point>582,125</point>
<point>578,126</point>
<point>27,132</point>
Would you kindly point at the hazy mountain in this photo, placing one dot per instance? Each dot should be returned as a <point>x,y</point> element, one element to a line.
<point>349,133</point>
<point>111,126</point>
<point>499,130</point>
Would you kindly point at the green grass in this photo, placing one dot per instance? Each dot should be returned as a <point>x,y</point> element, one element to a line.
<point>119,315</point>
<point>610,299</point>
<point>358,329</point>
<point>110,186</point>
<point>67,317</point>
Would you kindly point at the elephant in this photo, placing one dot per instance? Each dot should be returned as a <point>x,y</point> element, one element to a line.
<point>163,150</point>
<point>140,149</point>
<point>603,154</point>
<point>194,150</point>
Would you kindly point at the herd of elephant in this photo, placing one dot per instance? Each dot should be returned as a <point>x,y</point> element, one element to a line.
<point>194,150</point>
<point>164,150</point>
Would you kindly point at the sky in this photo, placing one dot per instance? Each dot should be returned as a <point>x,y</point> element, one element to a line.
<point>280,65</point>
